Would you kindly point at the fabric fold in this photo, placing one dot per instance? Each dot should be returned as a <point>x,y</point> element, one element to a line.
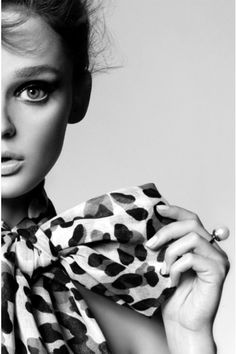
<point>99,244</point>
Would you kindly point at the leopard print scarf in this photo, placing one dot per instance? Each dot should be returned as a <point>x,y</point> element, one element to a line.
<point>99,244</point>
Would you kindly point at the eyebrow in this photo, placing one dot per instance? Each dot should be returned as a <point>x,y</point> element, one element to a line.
<point>31,71</point>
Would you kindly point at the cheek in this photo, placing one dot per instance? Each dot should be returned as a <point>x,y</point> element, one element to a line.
<point>46,133</point>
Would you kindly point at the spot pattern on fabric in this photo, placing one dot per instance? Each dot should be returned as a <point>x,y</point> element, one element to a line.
<point>125,258</point>
<point>138,213</point>
<point>100,245</point>
<point>78,233</point>
<point>122,233</point>
<point>123,198</point>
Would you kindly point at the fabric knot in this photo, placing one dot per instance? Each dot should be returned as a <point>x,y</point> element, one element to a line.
<point>29,251</point>
<point>99,244</point>
<point>34,253</point>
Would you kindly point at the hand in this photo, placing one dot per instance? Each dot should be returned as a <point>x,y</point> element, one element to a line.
<point>197,267</point>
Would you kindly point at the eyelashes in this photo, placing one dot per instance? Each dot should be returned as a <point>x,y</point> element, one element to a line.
<point>37,92</point>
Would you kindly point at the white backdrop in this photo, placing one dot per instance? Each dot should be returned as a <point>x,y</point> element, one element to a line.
<point>167,116</point>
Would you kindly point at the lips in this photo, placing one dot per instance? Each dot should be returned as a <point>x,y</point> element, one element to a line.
<point>11,163</point>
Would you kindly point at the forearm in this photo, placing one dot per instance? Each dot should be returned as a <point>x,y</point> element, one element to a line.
<point>191,342</point>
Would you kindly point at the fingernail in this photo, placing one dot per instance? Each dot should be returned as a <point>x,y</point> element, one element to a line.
<point>163,270</point>
<point>162,207</point>
<point>151,242</point>
<point>173,282</point>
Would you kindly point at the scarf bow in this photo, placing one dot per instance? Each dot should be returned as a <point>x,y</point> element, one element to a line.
<point>99,244</point>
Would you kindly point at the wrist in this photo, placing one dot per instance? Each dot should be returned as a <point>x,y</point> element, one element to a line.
<point>181,340</point>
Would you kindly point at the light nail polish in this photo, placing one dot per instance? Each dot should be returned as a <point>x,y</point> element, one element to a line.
<point>151,242</point>
<point>162,207</point>
<point>163,270</point>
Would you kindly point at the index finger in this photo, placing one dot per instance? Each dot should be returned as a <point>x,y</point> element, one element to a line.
<point>176,212</point>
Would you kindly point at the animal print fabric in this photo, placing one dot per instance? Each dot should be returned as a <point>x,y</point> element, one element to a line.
<point>99,244</point>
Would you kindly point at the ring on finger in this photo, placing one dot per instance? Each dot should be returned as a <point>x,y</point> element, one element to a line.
<point>219,234</point>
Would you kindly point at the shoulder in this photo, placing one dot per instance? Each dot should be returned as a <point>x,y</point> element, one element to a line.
<point>125,330</point>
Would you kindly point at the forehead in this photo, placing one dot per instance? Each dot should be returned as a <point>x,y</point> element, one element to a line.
<point>30,41</point>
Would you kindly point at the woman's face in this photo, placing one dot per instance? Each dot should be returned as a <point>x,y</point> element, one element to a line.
<point>36,103</point>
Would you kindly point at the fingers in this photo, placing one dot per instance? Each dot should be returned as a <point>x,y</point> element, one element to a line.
<point>188,235</point>
<point>175,230</point>
<point>191,249</point>
<point>187,222</point>
<point>208,270</point>
<point>194,243</point>
<point>176,212</point>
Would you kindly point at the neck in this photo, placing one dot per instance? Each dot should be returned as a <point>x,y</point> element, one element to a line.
<point>15,209</point>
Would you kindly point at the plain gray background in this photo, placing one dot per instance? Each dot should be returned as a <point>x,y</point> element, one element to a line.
<point>167,116</point>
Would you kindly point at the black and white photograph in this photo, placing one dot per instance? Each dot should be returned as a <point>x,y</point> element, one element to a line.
<point>118,177</point>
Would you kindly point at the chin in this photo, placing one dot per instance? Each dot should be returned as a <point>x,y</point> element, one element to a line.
<point>12,187</point>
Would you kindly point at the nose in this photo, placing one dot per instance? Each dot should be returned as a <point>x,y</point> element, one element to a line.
<point>8,128</point>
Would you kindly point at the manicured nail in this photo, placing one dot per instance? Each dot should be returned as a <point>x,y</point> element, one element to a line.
<point>151,242</point>
<point>163,270</point>
<point>162,207</point>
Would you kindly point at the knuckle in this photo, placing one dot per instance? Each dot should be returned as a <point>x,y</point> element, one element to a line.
<point>188,257</point>
<point>194,224</point>
<point>223,272</point>
<point>194,237</point>
<point>223,267</point>
<point>224,259</point>
<point>195,217</point>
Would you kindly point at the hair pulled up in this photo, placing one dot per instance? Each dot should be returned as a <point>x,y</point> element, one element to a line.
<point>74,20</point>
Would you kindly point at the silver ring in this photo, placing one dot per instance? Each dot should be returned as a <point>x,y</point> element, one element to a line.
<point>220,234</point>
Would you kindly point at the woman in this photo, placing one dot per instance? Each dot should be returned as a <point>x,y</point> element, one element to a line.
<point>46,84</point>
